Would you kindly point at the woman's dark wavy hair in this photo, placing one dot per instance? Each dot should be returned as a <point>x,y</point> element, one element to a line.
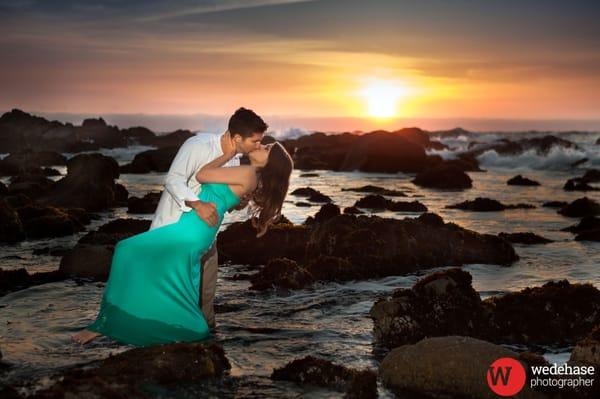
<point>273,183</point>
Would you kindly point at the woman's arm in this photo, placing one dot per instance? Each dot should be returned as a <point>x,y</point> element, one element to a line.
<point>244,175</point>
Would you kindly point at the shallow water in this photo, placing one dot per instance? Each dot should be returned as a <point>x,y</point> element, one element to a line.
<point>262,331</point>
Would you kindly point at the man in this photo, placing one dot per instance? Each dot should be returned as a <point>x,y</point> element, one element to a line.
<point>245,131</point>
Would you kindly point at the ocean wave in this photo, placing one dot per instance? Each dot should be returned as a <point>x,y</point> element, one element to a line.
<point>289,133</point>
<point>558,158</point>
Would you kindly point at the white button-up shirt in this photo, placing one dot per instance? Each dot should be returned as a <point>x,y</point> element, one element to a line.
<point>181,183</point>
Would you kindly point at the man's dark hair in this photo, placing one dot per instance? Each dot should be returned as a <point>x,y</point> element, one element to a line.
<point>245,123</point>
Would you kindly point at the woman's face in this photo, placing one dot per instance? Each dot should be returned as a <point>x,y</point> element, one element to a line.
<point>260,156</point>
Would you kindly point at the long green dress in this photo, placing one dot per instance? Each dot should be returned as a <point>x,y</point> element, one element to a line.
<point>152,293</point>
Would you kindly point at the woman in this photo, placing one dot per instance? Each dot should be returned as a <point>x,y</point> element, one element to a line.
<point>152,294</point>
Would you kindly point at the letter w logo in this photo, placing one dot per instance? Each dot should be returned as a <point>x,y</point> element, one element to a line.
<point>500,372</point>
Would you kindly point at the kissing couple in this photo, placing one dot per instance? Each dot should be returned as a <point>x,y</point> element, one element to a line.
<point>162,282</point>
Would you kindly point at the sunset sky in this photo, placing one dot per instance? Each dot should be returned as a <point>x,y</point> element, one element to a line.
<point>372,60</point>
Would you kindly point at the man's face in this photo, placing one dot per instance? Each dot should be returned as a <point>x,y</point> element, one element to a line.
<point>248,144</point>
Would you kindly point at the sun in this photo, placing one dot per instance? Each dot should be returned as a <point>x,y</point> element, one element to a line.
<point>382,97</point>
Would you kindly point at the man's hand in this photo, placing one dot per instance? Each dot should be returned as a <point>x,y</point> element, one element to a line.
<point>206,211</point>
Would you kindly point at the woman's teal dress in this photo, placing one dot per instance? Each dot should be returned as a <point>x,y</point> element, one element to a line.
<point>152,294</point>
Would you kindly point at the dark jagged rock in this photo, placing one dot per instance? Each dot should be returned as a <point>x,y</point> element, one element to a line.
<point>87,261</point>
<point>578,184</point>
<point>115,230</point>
<point>173,139</point>
<point>556,313</point>
<point>320,372</point>
<point>130,373</point>
<point>593,235</point>
<point>480,204</point>
<point>29,162</point>
<point>555,204</point>
<point>386,247</point>
<point>443,303</point>
<point>309,175</point>
<point>524,238</point>
<point>281,273</point>
<point>415,371</point>
<point>581,207</point>
<point>47,221</point>
<point>352,210</point>
<point>146,204</point>
<point>376,190</point>
<point>443,176</point>
<point>591,176</point>
<point>376,201</point>
<point>587,223</point>
<point>32,186</point>
<point>311,194</point>
<point>519,180</point>
<point>139,135</point>
<point>3,189</point>
<point>14,280</point>
<point>11,228</point>
<point>303,204</point>
<point>327,212</point>
<point>158,160</point>
<point>238,243</point>
<point>89,184</point>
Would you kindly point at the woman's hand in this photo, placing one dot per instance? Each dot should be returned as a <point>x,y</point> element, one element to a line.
<point>228,145</point>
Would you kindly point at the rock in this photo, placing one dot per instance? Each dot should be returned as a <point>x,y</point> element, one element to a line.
<point>326,212</point>
<point>442,303</point>
<point>309,175</point>
<point>581,207</point>
<point>130,373</point>
<point>588,349</point>
<point>324,373</point>
<point>32,186</point>
<point>376,190</point>
<point>87,261</point>
<point>173,139</point>
<point>593,235</point>
<point>48,221</point>
<point>557,313</point>
<point>238,243</point>
<point>555,204</point>
<point>281,273</point>
<point>3,189</point>
<point>416,369</point>
<point>115,231</point>
<point>89,184</point>
<point>29,162</point>
<point>577,184</point>
<point>379,202</point>
<point>147,204</point>
<point>384,247</point>
<point>311,194</point>
<point>18,279</point>
<point>487,205</point>
<point>11,228</point>
<point>524,238</point>
<point>158,160</point>
<point>139,135</point>
<point>586,224</point>
<point>443,176</point>
<point>519,180</point>
<point>303,204</point>
<point>352,210</point>
<point>591,176</point>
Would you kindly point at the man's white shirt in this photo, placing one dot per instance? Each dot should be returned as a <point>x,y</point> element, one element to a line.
<point>181,183</point>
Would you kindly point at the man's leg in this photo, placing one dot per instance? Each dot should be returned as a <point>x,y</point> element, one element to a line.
<point>210,265</point>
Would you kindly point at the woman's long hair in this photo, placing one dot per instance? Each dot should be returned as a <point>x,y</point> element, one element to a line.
<point>273,183</point>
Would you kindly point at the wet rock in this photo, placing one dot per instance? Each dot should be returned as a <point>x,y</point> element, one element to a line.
<point>147,204</point>
<point>11,228</point>
<point>327,212</point>
<point>578,184</point>
<point>3,189</point>
<point>443,176</point>
<point>556,313</point>
<point>51,251</point>
<point>442,303</point>
<point>352,210</point>
<point>519,180</point>
<point>376,190</point>
<point>320,372</point>
<point>311,194</point>
<point>524,238</point>
<point>87,261</point>
<point>303,204</point>
<point>18,279</point>
<point>581,207</point>
<point>591,176</point>
<point>139,135</point>
<point>416,369</point>
<point>32,186</point>
<point>379,202</point>
<point>129,374</point>
<point>480,204</point>
<point>387,247</point>
<point>115,231</point>
<point>281,273</point>
<point>586,224</point>
<point>309,175</point>
<point>593,235</point>
<point>238,243</point>
<point>555,204</point>
<point>173,139</point>
<point>89,184</point>
<point>158,160</point>
<point>48,221</point>
<point>587,350</point>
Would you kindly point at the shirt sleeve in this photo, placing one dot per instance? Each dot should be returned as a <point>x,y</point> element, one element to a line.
<point>187,161</point>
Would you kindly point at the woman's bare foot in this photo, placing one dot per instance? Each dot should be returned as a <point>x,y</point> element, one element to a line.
<point>84,336</point>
